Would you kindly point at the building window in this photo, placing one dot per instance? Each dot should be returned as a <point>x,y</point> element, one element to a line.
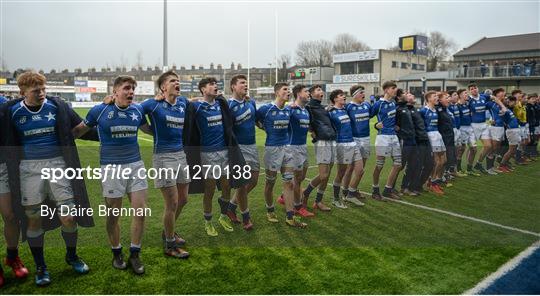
<point>414,66</point>
<point>421,67</point>
<point>359,67</point>
<point>404,65</point>
<point>394,64</point>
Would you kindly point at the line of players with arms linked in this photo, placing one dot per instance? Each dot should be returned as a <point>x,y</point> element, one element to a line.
<point>39,132</point>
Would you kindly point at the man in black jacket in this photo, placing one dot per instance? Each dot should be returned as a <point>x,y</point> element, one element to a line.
<point>424,163</point>
<point>533,122</point>
<point>210,140</point>
<point>324,138</point>
<point>37,135</point>
<point>407,136</point>
<point>446,129</point>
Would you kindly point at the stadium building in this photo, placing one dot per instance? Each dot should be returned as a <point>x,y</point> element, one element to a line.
<point>371,68</point>
<point>506,61</point>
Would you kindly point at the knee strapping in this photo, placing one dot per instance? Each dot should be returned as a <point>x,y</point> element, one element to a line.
<point>65,205</point>
<point>397,160</point>
<point>33,212</point>
<point>379,163</point>
<point>287,177</point>
<point>270,179</point>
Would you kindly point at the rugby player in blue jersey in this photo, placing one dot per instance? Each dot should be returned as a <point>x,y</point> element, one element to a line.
<point>347,151</point>
<point>478,108</point>
<point>358,110</point>
<point>496,129</point>
<point>11,224</point>
<point>274,118</point>
<point>243,111</point>
<point>167,119</point>
<point>431,122</point>
<point>214,152</point>
<point>42,127</point>
<point>298,130</point>
<point>512,133</point>
<point>386,142</point>
<point>118,125</point>
<point>466,133</point>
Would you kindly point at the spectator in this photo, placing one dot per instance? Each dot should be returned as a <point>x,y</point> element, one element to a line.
<point>533,67</point>
<point>483,69</point>
<point>516,69</point>
<point>527,68</point>
<point>496,69</point>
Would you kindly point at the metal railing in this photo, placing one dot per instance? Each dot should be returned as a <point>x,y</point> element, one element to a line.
<point>491,71</point>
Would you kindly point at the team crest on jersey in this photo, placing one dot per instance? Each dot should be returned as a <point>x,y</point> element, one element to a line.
<point>274,113</point>
<point>36,117</point>
<point>110,115</point>
<point>22,120</point>
<point>235,108</point>
<point>122,115</point>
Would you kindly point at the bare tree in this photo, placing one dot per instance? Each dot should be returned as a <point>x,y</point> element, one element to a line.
<point>346,42</point>
<point>393,47</point>
<point>285,60</point>
<point>439,49</point>
<point>314,53</point>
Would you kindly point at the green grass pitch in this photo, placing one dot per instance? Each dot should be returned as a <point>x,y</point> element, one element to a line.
<point>381,248</point>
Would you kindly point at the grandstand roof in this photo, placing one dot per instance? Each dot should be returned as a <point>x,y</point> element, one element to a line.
<point>502,44</point>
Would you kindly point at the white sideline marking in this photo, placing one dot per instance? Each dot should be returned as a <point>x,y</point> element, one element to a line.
<point>453,214</point>
<point>459,216</point>
<point>503,270</point>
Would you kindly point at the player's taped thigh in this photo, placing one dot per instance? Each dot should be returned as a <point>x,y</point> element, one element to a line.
<point>397,160</point>
<point>380,162</point>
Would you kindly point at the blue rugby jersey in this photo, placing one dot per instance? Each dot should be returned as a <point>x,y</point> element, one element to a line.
<point>431,118</point>
<point>210,122</point>
<point>243,114</point>
<point>510,119</point>
<point>478,107</point>
<point>117,129</point>
<point>298,126</point>
<point>167,122</point>
<point>495,112</point>
<point>342,123</point>
<point>359,114</point>
<point>275,123</point>
<point>386,113</point>
<point>37,130</point>
<point>2,100</point>
<point>454,109</point>
<point>465,114</point>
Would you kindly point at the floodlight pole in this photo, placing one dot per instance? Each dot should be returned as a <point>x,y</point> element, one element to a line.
<point>165,51</point>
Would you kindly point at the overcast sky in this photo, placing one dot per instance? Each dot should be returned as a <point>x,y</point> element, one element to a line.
<point>69,34</point>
